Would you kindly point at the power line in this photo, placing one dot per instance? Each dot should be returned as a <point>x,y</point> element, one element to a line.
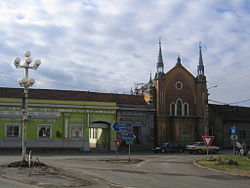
<point>219,102</point>
<point>240,101</point>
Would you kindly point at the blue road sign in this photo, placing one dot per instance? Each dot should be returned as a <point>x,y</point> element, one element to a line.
<point>233,130</point>
<point>125,136</point>
<point>124,131</point>
<point>117,126</point>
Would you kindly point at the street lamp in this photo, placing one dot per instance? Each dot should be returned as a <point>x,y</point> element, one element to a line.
<point>25,82</point>
<point>205,101</point>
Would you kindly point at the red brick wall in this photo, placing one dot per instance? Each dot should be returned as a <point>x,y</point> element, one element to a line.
<point>185,94</point>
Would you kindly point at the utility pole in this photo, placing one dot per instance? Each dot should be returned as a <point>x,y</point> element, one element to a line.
<point>25,82</point>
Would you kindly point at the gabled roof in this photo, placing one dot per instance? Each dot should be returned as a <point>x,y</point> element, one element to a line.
<point>69,95</point>
<point>182,67</point>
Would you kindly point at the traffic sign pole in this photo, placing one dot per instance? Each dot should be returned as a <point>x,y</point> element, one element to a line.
<point>129,152</point>
<point>234,136</point>
<point>124,132</point>
<point>117,144</point>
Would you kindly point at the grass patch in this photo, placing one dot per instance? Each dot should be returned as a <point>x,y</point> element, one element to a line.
<point>229,163</point>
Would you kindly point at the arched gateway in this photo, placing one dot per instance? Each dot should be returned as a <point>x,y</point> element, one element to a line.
<point>99,135</point>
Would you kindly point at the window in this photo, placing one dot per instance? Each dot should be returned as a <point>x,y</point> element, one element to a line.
<point>178,85</point>
<point>12,130</point>
<point>186,109</point>
<point>172,109</point>
<point>76,131</point>
<point>185,131</point>
<point>44,131</point>
<point>179,107</point>
<point>93,133</point>
<point>242,134</point>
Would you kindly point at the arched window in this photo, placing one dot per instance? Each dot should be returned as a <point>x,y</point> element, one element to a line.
<point>172,109</point>
<point>179,107</point>
<point>186,109</point>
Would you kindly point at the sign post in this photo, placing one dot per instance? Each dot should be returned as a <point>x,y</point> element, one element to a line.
<point>233,136</point>
<point>208,141</point>
<point>117,145</point>
<point>124,132</point>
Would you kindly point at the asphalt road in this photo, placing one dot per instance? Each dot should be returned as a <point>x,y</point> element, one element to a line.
<point>5,183</point>
<point>156,170</point>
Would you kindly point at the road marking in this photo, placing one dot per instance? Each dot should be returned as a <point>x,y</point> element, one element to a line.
<point>141,163</point>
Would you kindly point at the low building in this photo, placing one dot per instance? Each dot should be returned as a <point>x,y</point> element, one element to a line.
<point>222,118</point>
<point>72,119</point>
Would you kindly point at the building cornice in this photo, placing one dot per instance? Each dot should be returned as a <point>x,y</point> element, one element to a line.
<point>61,106</point>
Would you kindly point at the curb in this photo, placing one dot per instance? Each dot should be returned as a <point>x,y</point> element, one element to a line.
<point>220,171</point>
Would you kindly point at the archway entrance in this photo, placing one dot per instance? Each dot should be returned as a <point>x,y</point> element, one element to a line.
<point>99,135</point>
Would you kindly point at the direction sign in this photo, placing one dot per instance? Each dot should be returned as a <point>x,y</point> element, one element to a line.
<point>124,131</point>
<point>129,142</point>
<point>125,136</point>
<point>117,126</point>
<point>208,140</point>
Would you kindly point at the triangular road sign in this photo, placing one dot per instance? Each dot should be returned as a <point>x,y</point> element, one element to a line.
<point>208,140</point>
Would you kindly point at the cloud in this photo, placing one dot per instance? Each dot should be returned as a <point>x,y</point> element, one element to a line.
<point>109,45</point>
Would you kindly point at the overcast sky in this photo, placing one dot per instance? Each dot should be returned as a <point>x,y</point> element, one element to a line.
<point>108,45</point>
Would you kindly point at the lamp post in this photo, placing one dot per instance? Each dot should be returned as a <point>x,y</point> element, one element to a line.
<point>25,82</point>
<point>205,100</point>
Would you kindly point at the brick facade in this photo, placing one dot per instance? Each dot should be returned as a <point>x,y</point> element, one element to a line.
<point>186,120</point>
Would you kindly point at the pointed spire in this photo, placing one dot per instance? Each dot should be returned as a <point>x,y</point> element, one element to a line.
<point>200,57</point>
<point>131,91</point>
<point>150,80</point>
<point>178,60</point>
<point>160,65</point>
<point>200,67</point>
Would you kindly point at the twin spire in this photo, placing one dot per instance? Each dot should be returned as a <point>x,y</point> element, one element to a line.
<point>160,64</point>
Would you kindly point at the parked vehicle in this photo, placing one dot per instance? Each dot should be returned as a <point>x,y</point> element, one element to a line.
<point>200,147</point>
<point>169,147</point>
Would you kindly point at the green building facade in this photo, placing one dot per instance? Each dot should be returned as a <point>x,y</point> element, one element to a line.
<point>58,124</point>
